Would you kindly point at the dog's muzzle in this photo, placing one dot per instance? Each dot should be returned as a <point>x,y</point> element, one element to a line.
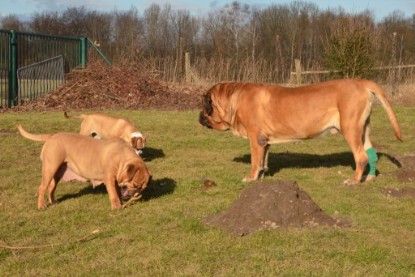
<point>127,193</point>
<point>203,120</point>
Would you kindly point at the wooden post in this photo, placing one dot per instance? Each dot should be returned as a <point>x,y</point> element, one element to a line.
<point>180,59</point>
<point>394,63</point>
<point>187,71</point>
<point>298,71</point>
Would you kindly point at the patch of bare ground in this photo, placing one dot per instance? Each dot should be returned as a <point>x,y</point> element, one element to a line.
<point>272,205</point>
<point>405,174</point>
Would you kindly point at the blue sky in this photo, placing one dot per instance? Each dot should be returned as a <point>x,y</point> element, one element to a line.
<point>380,8</point>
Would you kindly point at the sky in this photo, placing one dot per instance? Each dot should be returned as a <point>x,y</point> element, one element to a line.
<point>26,8</point>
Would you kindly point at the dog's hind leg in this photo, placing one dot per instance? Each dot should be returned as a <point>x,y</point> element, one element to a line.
<point>55,180</point>
<point>371,154</point>
<point>46,180</point>
<point>353,134</point>
<point>50,167</point>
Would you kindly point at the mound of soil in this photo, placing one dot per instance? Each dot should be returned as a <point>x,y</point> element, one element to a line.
<point>407,171</point>
<point>405,174</point>
<point>272,205</point>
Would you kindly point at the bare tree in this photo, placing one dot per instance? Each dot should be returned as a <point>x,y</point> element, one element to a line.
<point>47,23</point>
<point>159,35</point>
<point>12,22</point>
<point>75,21</point>
<point>128,32</point>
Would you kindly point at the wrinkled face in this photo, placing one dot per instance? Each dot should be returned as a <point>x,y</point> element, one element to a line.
<point>136,180</point>
<point>138,144</point>
<point>215,114</point>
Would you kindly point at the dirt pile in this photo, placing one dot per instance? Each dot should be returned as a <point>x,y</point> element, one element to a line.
<point>272,205</point>
<point>100,86</point>
<point>400,193</point>
<point>405,174</point>
<point>407,171</point>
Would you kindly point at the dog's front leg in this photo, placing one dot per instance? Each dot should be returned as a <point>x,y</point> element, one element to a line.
<point>113,194</point>
<point>258,159</point>
<point>265,160</point>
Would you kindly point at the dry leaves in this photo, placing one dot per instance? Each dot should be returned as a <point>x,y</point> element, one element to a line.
<point>101,87</point>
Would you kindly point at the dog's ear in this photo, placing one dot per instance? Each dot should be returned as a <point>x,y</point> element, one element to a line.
<point>127,172</point>
<point>208,103</point>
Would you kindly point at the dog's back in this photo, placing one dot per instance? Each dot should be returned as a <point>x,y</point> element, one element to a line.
<point>102,126</point>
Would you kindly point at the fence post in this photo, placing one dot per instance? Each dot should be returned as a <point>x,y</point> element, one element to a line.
<point>12,68</point>
<point>394,63</point>
<point>84,52</point>
<point>297,63</point>
<point>187,67</point>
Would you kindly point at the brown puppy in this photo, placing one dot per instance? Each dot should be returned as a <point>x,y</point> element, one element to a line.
<point>111,161</point>
<point>267,114</point>
<point>103,126</point>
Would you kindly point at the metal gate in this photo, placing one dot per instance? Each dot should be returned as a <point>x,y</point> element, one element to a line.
<point>21,50</point>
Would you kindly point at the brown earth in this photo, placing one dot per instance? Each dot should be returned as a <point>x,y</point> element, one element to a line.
<point>272,205</point>
<point>103,87</point>
<point>406,172</point>
<point>406,175</point>
<point>282,204</point>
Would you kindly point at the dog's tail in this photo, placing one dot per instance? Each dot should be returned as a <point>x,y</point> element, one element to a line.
<point>379,93</point>
<point>67,116</point>
<point>39,137</point>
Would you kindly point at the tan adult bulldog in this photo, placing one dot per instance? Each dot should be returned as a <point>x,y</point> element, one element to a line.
<point>111,161</point>
<point>267,114</point>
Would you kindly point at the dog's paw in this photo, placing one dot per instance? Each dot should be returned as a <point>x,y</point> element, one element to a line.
<point>351,182</point>
<point>116,206</point>
<point>369,178</point>
<point>41,206</point>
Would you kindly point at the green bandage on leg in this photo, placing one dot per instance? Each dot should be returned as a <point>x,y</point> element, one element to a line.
<point>373,158</point>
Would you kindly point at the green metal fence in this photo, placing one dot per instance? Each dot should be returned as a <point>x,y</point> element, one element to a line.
<point>21,50</point>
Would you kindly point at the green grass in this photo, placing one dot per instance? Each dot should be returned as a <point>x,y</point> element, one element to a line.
<point>163,236</point>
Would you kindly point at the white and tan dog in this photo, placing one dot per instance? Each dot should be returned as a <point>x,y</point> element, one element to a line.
<point>267,114</point>
<point>103,126</point>
<point>111,161</point>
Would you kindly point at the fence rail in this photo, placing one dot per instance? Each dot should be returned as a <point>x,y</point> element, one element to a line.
<point>22,49</point>
<point>299,73</point>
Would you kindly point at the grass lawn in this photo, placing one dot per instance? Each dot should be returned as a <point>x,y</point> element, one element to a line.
<point>162,234</point>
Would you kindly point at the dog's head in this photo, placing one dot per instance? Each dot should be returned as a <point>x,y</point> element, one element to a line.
<point>133,177</point>
<point>216,108</point>
<point>138,141</point>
